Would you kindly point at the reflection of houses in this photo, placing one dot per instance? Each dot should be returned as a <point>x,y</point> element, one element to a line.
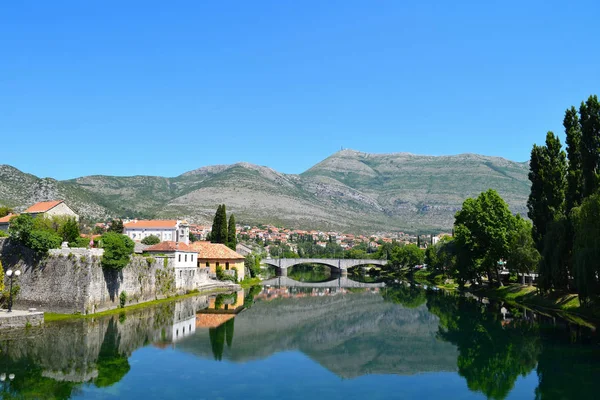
<point>213,255</point>
<point>165,230</point>
<point>5,222</point>
<point>184,260</point>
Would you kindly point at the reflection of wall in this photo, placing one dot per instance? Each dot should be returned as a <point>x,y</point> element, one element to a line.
<point>182,329</point>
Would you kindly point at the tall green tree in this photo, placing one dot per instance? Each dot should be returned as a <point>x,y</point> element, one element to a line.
<point>231,235</point>
<point>117,250</point>
<point>69,231</point>
<point>572,126</point>
<point>482,234</point>
<point>219,227</point>
<point>547,173</point>
<point>587,249</point>
<point>590,144</point>
<point>523,257</point>
<point>4,211</point>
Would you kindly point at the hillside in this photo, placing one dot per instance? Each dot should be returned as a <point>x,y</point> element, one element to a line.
<point>349,190</point>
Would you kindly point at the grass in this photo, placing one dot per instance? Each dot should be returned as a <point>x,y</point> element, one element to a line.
<point>249,282</point>
<point>51,317</point>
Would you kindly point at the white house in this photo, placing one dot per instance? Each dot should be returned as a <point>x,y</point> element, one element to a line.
<point>185,263</point>
<point>51,209</point>
<point>166,230</point>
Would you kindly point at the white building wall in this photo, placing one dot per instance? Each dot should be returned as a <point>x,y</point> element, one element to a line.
<point>179,233</point>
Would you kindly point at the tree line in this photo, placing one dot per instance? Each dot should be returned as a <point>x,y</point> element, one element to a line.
<point>564,204</point>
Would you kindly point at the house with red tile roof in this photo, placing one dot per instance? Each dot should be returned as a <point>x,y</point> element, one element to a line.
<point>52,208</point>
<point>184,260</point>
<point>5,222</point>
<point>213,255</point>
<point>165,229</point>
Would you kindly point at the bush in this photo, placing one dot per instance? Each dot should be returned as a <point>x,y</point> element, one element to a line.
<point>117,250</point>
<point>81,242</point>
<point>150,240</point>
<point>3,234</point>
<point>122,299</point>
<point>20,228</point>
<point>42,241</point>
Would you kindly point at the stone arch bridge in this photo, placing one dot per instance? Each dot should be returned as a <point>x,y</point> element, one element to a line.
<point>340,265</point>
<point>341,282</point>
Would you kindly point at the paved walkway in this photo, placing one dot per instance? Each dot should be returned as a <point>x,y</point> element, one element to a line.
<point>20,318</point>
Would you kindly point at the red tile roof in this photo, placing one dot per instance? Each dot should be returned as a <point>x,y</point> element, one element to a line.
<point>6,219</point>
<point>43,206</point>
<point>212,320</point>
<point>163,247</point>
<point>214,251</point>
<point>153,223</point>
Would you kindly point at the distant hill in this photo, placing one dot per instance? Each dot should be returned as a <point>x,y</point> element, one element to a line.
<point>348,191</point>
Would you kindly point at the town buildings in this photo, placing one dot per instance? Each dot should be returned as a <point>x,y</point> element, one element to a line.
<point>166,230</point>
<point>185,262</point>
<point>51,209</point>
<point>213,255</point>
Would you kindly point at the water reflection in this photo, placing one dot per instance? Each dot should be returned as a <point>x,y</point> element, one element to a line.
<point>397,330</point>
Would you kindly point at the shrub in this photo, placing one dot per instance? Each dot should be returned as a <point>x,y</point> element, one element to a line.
<point>80,242</point>
<point>3,234</point>
<point>150,240</point>
<point>117,250</point>
<point>122,299</point>
<point>42,241</point>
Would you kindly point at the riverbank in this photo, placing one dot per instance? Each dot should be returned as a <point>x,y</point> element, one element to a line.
<point>50,317</point>
<point>566,304</point>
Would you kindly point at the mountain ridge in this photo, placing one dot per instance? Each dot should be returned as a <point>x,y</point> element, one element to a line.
<point>350,190</point>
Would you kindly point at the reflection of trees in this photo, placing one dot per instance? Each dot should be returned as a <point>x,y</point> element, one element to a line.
<point>218,336</point>
<point>566,372</point>
<point>310,273</point>
<point>407,296</point>
<point>491,356</point>
<point>112,366</point>
<point>250,294</point>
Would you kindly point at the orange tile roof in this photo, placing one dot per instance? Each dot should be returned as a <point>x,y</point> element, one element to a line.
<point>6,219</point>
<point>152,223</point>
<point>43,206</point>
<point>212,320</point>
<point>170,246</point>
<point>214,251</point>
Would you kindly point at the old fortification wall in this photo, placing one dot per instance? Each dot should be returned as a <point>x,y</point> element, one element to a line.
<point>74,281</point>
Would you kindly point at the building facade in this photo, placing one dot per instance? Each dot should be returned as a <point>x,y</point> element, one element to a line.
<point>188,274</point>
<point>166,230</point>
<point>54,208</point>
<point>213,255</point>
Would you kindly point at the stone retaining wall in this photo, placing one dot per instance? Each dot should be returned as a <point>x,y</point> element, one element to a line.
<point>73,280</point>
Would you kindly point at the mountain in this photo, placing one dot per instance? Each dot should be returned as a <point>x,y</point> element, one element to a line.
<point>350,191</point>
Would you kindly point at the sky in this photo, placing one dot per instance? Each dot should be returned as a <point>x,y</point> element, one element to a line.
<point>163,87</point>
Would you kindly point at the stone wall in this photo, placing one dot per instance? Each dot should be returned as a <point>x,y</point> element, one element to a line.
<point>74,281</point>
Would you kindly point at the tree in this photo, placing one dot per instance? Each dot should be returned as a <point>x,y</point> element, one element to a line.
<point>482,228</point>
<point>117,250</point>
<point>69,231</point>
<point>150,240</point>
<point>42,241</point>
<point>586,249</point>
<point>523,256</point>
<point>547,173</point>
<point>116,226</point>
<point>590,144</point>
<point>219,227</point>
<point>20,228</point>
<point>231,235</point>
<point>4,211</point>
<point>572,126</point>
<point>406,256</point>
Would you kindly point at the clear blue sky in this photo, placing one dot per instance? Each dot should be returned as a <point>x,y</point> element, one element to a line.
<point>163,87</point>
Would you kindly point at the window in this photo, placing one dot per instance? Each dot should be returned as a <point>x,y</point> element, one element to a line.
<point>192,257</point>
<point>207,264</point>
<point>180,258</point>
<point>226,265</point>
<point>217,264</point>
<point>181,274</point>
<point>185,258</point>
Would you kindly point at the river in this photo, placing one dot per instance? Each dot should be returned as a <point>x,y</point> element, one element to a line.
<point>307,343</point>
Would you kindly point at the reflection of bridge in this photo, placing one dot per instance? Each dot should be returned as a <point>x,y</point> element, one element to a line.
<point>341,282</point>
<point>341,265</point>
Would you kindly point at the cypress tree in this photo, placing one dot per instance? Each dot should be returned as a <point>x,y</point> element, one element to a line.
<point>590,144</point>
<point>222,238</point>
<point>574,173</point>
<point>231,237</point>
<point>215,227</point>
